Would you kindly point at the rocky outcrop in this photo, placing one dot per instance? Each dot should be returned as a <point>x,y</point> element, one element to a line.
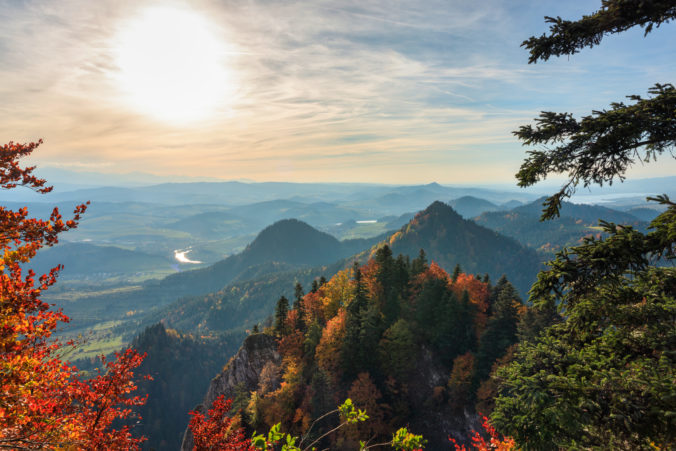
<point>432,415</point>
<point>241,373</point>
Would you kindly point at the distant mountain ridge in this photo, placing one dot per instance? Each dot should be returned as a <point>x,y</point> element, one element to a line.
<point>590,214</point>
<point>470,206</point>
<point>576,221</point>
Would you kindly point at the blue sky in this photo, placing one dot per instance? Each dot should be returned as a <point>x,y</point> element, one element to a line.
<point>344,91</point>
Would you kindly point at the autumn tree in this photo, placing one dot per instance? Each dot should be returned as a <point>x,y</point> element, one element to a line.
<point>366,396</point>
<point>489,440</point>
<point>603,377</point>
<point>460,381</point>
<point>44,403</point>
<point>216,431</point>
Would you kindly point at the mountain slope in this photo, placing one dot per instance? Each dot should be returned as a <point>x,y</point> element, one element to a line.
<point>470,206</point>
<point>576,221</point>
<point>390,336</point>
<point>88,260</point>
<point>448,239</point>
<point>289,241</point>
<point>590,214</point>
<point>286,245</point>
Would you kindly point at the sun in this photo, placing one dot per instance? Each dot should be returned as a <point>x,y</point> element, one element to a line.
<point>172,65</point>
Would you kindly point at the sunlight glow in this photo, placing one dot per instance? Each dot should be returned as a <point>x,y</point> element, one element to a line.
<point>172,65</point>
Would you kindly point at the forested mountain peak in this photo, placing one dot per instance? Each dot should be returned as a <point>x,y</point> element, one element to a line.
<point>439,208</point>
<point>294,241</point>
<point>448,240</point>
<point>402,338</point>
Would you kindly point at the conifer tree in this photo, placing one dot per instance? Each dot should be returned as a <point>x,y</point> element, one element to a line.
<point>419,264</point>
<point>298,306</point>
<point>298,295</point>
<point>456,272</point>
<point>353,355</point>
<point>604,376</point>
<point>281,312</point>
<point>501,330</point>
<point>387,277</point>
<point>397,350</point>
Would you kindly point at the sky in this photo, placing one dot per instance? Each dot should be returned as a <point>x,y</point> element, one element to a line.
<point>305,91</point>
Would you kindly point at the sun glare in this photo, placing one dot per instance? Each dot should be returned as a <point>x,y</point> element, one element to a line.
<point>172,65</point>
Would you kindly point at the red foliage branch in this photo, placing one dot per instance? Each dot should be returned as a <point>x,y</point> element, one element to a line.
<point>44,403</point>
<point>494,443</point>
<point>217,431</point>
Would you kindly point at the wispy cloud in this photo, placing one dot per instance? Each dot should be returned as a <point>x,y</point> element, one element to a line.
<point>322,90</point>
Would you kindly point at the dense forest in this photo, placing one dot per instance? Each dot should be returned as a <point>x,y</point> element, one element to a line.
<point>405,340</point>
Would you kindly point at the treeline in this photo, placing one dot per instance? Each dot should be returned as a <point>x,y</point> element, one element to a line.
<point>402,338</point>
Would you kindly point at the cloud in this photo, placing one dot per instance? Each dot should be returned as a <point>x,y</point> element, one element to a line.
<point>325,90</point>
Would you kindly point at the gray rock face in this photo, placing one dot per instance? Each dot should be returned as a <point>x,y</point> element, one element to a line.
<point>242,371</point>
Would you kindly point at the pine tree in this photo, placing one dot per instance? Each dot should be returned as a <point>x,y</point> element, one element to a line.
<point>397,350</point>
<point>453,331</point>
<point>604,376</point>
<point>501,330</point>
<point>298,295</point>
<point>281,311</point>
<point>351,356</point>
<point>456,272</point>
<point>298,306</point>
<point>419,265</point>
<point>387,276</point>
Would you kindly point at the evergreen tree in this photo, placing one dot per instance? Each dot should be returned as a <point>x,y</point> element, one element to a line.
<point>359,302</point>
<point>427,307</point>
<point>456,272</point>
<point>388,276</point>
<point>501,330</point>
<point>298,306</point>
<point>312,337</point>
<point>604,376</point>
<point>419,265</point>
<point>536,319</point>
<point>351,355</point>
<point>281,311</point>
<point>298,295</point>
<point>370,332</point>
<point>454,331</point>
<point>397,350</point>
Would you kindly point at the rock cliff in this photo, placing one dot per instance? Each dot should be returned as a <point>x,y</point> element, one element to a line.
<point>241,373</point>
